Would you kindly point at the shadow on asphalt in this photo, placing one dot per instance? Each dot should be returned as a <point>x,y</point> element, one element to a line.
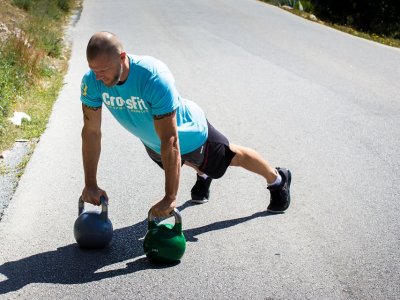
<point>72,265</point>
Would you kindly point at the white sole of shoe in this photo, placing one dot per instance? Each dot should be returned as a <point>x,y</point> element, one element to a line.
<point>199,201</point>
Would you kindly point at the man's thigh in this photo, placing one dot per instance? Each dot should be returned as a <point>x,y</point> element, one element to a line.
<point>217,154</point>
<point>212,158</point>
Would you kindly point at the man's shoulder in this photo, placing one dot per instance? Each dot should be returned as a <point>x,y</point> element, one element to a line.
<point>88,77</point>
<point>91,88</point>
<point>148,63</point>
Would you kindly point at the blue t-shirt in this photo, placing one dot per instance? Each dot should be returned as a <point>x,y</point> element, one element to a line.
<point>149,90</point>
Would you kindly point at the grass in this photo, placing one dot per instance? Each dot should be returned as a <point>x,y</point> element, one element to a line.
<point>33,61</point>
<point>21,166</point>
<point>369,36</point>
<point>4,170</point>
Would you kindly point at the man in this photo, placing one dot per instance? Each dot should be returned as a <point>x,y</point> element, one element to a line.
<point>140,93</point>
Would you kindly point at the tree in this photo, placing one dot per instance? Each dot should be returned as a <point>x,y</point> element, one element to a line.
<point>374,16</point>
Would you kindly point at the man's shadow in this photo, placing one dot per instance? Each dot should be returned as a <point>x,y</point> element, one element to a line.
<point>72,265</point>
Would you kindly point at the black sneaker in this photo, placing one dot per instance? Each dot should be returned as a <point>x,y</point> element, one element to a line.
<point>201,190</point>
<point>280,195</point>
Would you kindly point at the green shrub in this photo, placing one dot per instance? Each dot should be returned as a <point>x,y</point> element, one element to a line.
<point>372,16</point>
<point>30,5</point>
<point>43,29</point>
<point>307,5</point>
<point>65,5</point>
<point>15,71</point>
<point>27,58</point>
<point>23,4</point>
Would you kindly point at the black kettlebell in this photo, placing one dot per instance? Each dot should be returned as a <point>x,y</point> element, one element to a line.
<point>93,229</point>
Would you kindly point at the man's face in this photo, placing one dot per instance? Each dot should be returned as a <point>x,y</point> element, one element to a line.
<point>107,69</point>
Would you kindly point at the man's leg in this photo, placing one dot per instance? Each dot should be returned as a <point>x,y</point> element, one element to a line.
<point>278,180</point>
<point>200,192</point>
<point>250,160</point>
<point>219,154</point>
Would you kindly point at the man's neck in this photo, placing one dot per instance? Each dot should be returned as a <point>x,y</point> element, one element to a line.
<point>125,70</point>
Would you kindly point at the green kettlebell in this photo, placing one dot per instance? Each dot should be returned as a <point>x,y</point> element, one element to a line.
<point>164,243</point>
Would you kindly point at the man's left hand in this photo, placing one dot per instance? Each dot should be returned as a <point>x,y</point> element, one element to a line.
<point>163,208</point>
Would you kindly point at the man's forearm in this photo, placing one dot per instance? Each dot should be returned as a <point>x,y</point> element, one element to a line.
<point>91,147</point>
<point>171,161</point>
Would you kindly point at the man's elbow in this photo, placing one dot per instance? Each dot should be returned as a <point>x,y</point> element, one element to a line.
<point>90,133</point>
<point>171,142</point>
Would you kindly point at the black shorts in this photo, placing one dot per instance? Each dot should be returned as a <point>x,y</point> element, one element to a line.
<point>211,158</point>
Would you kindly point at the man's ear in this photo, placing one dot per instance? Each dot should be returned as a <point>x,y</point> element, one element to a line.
<point>123,55</point>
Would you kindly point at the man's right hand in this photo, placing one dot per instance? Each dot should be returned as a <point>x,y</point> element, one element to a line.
<point>92,194</point>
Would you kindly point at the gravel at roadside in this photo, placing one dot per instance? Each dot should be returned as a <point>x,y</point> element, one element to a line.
<point>12,163</point>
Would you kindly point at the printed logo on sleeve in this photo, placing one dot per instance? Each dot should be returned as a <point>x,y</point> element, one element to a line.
<point>84,89</point>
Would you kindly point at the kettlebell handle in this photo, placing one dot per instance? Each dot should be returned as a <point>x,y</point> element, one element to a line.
<point>177,215</point>
<point>104,207</point>
<point>151,223</point>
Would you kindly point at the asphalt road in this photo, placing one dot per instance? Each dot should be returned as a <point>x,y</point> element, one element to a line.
<point>320,102</point>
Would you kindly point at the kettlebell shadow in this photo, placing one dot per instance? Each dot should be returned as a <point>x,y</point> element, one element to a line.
<point>72,265</point>
<point>191,234</point>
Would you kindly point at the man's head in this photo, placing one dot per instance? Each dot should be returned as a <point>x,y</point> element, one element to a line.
<point>106,57</point>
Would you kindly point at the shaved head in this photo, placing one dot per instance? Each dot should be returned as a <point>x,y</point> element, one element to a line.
<point>103,43</point>
<point>106,58</point>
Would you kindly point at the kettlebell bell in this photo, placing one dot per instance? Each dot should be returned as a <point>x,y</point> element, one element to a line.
<point>93,229</point>
<point>164,243</point>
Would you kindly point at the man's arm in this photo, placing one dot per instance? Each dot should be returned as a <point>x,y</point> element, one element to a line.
<point>166,128</point>
<point>91,147</point>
